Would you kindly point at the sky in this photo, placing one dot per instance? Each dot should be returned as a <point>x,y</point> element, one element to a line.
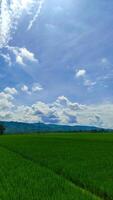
<point>56,61</point>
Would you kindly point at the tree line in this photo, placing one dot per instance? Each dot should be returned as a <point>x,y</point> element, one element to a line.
<point>2,129</point>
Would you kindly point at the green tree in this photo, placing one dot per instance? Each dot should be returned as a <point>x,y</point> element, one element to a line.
<point>2,129</point>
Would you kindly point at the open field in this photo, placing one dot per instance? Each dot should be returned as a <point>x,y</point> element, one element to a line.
<point>56,167</point>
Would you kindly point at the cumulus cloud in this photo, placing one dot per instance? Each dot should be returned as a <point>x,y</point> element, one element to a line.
<point>36,87</point>
<point>24,114</point>
<point>10,91</point>
<point>86,80</point>
<point>25,54</point>
<point>61,111</point>
<point>10,13</point>
<point>80,73</point>
<point>40,108</point>
<point>6,99</point>
<point>25,89</point>
<point>22,55</point>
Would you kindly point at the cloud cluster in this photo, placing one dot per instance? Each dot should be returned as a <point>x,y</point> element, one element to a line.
<point>11,91</point>
<point>10,13</point>
<point>82,73</point>
<point>61,111</point>
<point>6,99</point>
<point>36,87</point>
<point>22,56</point>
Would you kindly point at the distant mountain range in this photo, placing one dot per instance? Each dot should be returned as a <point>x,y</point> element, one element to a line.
<point>18,127</point>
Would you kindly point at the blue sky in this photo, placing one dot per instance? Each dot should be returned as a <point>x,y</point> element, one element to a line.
<point>53,52</point>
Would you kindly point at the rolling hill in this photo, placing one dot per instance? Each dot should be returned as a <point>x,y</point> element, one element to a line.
<point>19,127</point>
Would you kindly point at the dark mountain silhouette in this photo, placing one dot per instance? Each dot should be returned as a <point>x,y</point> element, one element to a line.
<point>19,127</point>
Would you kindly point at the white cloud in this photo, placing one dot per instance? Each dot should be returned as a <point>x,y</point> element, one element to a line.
<point>10,13</point>
<point>6,58</point>
<point>25,54</point>
<point>6,101</point>
<point>5,23</point>
<point>80,73</point>
<point>10,91</point>
<point>22,55</point>
<point>62,111</point>
<point>19,60</point>
<point>24,114</point>
<point>40,108</point>
<point>39,7</point>
<point>89,83</point>
<point>36,87</point>
<point>26,89</point>
<point>25,3</point>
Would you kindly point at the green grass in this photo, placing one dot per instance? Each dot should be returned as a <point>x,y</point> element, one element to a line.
<point>21,179</point>
<point>56,167</point>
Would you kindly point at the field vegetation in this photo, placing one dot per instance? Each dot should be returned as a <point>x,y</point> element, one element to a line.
<point>56,167</point>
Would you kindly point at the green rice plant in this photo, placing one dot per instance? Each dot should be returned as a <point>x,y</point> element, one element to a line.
<point>22,179</point>
<point>84,160</point>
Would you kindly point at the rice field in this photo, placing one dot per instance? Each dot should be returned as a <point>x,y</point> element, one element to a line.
<point>56,167</point>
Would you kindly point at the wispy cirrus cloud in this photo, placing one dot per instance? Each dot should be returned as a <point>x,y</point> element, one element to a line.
<point>10,13</point>
<point>37,14</point>
<point>6,58</point>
